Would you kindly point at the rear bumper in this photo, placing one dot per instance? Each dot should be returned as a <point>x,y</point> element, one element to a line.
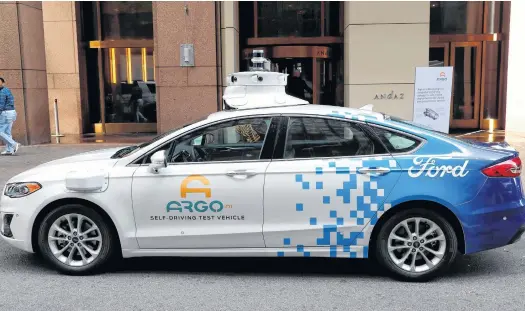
<point>495,217</point>
<point>518,235</point>
<point>494,229</point>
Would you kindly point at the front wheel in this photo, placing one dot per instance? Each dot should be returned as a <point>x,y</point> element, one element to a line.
<point>75,239</point>
<point>416,245</point>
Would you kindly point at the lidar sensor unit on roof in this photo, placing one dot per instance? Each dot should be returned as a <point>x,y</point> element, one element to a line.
<point>258,87</point>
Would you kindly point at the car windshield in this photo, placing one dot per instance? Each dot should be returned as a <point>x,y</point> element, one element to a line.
<point>126,151</point>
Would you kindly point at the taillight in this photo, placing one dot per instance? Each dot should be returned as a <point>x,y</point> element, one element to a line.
<point>509,168</point>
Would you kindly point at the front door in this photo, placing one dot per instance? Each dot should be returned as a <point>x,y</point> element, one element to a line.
<point>211,193</point>
<point>466,90</point>
<point>465,57</point>
<point>331,182</point>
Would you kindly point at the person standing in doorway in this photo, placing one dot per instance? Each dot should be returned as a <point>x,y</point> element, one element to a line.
<point>7,118</point>
<point>296,86</point>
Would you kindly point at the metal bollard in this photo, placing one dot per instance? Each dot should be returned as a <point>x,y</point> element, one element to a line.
<point>57,128</point>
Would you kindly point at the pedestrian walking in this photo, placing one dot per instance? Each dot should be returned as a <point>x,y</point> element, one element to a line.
<point>7,118</point>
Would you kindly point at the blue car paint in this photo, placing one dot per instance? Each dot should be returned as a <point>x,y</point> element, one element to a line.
<point>490,210</point>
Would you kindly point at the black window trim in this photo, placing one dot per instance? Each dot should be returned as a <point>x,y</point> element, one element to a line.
<point>271,134</point>
<point>281,139</point>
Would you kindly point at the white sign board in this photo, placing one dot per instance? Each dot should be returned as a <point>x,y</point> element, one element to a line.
<point>432,95</point>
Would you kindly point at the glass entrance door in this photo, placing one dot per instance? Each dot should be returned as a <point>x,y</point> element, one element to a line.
<point>465,57</point>
<point>466,88</point>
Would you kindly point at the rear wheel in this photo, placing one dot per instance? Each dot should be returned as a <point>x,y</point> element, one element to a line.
<point>76,240</point>
<point>416,245</point>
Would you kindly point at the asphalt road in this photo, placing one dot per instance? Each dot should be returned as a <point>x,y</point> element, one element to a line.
<point>493,280</point>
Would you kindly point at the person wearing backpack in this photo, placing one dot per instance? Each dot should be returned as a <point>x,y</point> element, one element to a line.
<point>7,118</point>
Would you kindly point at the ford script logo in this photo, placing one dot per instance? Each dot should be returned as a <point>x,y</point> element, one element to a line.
<point>430,169</point>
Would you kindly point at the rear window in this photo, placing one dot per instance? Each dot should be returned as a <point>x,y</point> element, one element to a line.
<point>396,142</point>
<point>429,130</point>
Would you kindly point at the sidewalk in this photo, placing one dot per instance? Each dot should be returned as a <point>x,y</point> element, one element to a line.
<point>515,139</point>
<point>31,156</point>
<point>103,139</point>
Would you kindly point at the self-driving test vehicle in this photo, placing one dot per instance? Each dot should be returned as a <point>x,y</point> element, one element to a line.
<point>273,176</point>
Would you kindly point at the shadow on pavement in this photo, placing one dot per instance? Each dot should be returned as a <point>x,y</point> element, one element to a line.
<point>464,266</point>
<point>269,266</point>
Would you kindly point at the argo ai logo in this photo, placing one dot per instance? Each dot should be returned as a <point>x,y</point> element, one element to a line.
<point>442,77</point>
<point>195,206</point>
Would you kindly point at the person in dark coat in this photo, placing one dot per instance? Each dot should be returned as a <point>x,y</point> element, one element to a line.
<point>296,85</point>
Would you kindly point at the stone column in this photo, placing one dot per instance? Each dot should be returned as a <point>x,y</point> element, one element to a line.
<point>23,66</point>
<point>229,39</point>
<point>185,93</point>
<point>61,51</point>
<point>383,44</point>
<point>515,112</point>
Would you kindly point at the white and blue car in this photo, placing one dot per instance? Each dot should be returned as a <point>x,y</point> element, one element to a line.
<point>273,176</point>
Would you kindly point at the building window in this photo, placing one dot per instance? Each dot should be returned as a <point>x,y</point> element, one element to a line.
<point>456,17</point>
<point>130,91</point>
<point>121,66</point>
<point>126,20</point>
<point>288,19</point>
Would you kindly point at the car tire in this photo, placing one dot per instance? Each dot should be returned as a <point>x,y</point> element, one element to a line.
<point>89,256</point>
<point>432,265</point>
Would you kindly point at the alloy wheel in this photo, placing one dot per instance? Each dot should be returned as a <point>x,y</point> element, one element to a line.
<point>75,240</point>
<point>416,245</point>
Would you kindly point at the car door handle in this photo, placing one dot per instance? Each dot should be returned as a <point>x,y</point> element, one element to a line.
<point>240,174</point>
<point>374,170</point>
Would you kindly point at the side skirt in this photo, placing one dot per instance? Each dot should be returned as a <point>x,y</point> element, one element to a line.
<point>354,251</point>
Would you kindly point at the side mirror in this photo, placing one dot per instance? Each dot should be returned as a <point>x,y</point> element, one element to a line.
<point>158,161</point>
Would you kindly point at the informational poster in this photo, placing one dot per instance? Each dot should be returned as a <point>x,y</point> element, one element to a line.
<point>432,96</point>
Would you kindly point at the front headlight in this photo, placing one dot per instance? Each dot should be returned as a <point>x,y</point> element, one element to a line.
<point>21,189</point>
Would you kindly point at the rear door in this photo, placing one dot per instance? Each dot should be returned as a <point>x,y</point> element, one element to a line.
<point>328,180</point>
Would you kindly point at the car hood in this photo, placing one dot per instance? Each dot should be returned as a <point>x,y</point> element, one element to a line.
<point>103,154</point>
<point>57,169</point>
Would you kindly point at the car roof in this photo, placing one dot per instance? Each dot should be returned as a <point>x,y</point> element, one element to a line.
<point>317,110</point>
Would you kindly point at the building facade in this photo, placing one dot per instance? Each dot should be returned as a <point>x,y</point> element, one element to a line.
<point>146,67</point>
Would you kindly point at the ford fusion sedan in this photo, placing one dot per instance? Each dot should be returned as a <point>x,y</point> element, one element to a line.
<point>284,181</point>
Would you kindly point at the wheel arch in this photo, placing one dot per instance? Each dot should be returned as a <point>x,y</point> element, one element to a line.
<point>60,202</point>
<point>441,209</point>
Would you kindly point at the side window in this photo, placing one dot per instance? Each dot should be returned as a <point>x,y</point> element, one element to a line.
<point>396,142</point>
<point>321,137</point>
<point>236,140</point>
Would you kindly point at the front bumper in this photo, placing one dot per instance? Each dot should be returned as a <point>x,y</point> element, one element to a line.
<point>17,230</point>
<point>18,236</point>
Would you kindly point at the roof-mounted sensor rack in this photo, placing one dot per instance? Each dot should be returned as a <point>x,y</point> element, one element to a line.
<point>258,87</point>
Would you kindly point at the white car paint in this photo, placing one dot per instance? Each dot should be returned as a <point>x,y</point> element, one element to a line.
<point>134,194</point>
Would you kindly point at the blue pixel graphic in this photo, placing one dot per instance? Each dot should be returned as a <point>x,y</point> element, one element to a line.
<point>353,205</point>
